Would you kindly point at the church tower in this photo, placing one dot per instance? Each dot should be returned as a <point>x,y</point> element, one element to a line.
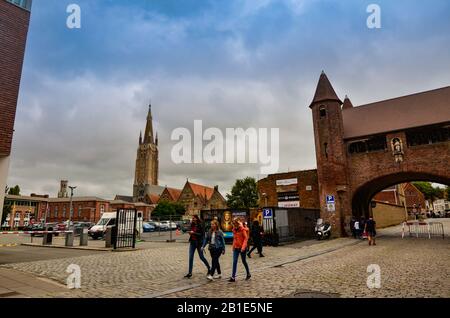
<point>146,172</point>
<point>331,156</point>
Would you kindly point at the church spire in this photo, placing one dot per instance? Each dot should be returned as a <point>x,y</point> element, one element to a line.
<point>140,137</point>
<point>324,91</point>
<point>148,137</point>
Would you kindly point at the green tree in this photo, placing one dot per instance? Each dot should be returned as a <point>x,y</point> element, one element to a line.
<point>430,192</point>
<point>244,194</point>
<point>167,208</point>
<point>14,191</point>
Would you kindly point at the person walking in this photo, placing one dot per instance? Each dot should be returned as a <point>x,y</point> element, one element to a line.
<point>362,226</point>
<point>216,245</point>
<point>256,235</point>
<point>356,229</point>
<point>370,228</point>
<point>240,240</point>
<point>195,243</point>
<point>352,226</point>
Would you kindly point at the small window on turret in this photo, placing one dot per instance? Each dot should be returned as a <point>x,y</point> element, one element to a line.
<point>323,112</point>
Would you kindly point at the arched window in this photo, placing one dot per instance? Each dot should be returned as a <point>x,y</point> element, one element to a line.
<point>322,112</point>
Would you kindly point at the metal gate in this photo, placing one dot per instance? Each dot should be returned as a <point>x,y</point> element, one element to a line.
<point>125,229</point>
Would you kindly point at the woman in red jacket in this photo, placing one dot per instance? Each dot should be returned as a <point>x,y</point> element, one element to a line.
<point>240,239</point>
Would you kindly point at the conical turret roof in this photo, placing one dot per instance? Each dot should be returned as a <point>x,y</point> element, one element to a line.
<point>324,91</point>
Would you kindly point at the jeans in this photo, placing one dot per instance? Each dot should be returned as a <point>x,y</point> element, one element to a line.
<point>236,253</point>
<point>257,244</point>
<point>215,265</point>
<point>193,246</point>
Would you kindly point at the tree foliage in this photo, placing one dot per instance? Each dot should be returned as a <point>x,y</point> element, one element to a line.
<point>14,191</point>
<point>167,208</point>
<point>430,192</point>
<point>244,194</point>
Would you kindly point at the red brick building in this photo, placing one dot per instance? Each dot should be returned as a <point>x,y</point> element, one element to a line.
<point>362,150</point>
<point>14,22</point>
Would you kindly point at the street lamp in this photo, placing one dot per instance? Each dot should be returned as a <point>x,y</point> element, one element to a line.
<point>70,208</point>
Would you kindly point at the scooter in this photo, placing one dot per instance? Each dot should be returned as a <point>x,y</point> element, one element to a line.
<point>322,230</point>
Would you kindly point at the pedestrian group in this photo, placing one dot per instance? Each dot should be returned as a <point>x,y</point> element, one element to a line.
<point>215,240</point>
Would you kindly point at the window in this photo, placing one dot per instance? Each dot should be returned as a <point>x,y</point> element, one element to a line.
<point>16,223</point>
<point>428,136</point>
<point>56,211</point>
<point>27,215</point>
<point>322,112</point>
<point>376,143</point>
<point>26,223</point>
<point>64,212</point>
<point>79,211</point>
<point>325,149</point>
<point>17,215</point>
<point>102,209</point>
<point>25,4</point>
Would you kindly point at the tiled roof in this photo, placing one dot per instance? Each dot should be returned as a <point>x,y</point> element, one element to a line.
<point>420,109</point>
<point>174,193</point>
<point>324,91</point>
<point>201,190</point>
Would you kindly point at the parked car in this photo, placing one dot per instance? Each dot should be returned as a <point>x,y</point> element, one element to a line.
<point>155,224</point>
<point>147,227</point>
<point>79,226</point>
<point>168,225</point>
<point>186,226</point>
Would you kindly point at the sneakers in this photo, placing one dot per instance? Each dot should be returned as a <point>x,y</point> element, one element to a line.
<point>209,277</point>
<point>232,280</point>
<point>188,276</point>
<point>219,276</point>
<point>249,255</point>
<point>261,255</point>
<point>248,277</point>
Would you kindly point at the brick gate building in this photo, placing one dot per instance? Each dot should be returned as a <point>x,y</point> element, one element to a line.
<point>363,150</point>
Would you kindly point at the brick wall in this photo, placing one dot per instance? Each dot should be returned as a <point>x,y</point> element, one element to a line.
<point>14,23</point>
<point>386,214</point>
<point>309,199</point>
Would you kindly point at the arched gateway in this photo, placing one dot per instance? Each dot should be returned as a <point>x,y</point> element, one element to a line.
<point>362,150</point>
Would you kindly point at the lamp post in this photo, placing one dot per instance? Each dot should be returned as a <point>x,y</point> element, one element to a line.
<point>70,208</point>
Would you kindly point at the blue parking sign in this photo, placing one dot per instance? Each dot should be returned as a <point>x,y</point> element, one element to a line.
<point>267,213</point>
<point>330,198</point>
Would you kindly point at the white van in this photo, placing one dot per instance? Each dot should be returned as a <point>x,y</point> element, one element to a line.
<point>99,229</point>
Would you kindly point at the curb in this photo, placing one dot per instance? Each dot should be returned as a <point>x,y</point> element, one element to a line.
<point>69,247</point>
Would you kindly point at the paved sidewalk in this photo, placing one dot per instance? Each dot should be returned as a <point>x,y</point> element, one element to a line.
<point>15,284</point>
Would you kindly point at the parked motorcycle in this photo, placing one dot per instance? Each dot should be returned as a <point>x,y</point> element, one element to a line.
<point>322,230</point>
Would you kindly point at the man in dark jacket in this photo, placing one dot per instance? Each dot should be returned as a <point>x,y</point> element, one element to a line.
<point>257,237</point>
<point>195,244</point>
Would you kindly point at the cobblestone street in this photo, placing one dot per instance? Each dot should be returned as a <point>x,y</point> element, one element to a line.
<point>410,267</point>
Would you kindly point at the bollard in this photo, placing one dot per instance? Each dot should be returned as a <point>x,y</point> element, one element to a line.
<point>108,237</point>
<point>84,237</point>
<point>47,239</point>
<point>69,239</point>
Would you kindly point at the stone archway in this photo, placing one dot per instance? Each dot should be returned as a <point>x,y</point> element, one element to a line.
<point>363,195</point>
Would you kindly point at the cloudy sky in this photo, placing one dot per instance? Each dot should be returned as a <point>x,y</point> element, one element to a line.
<point>234,63</point>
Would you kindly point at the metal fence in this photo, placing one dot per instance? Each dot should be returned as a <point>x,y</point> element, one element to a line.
<point>423,229</point>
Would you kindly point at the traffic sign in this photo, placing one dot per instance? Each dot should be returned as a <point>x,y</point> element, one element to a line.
<point>330,198</point>
<point>267,213</point>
